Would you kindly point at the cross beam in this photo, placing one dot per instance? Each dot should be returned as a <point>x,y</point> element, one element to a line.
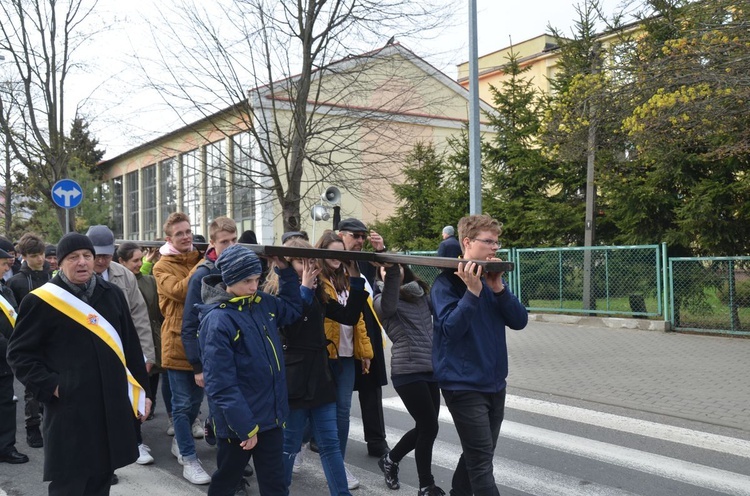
<point>358,256</point>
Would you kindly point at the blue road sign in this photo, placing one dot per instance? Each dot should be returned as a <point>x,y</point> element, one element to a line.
<point>67,193</point>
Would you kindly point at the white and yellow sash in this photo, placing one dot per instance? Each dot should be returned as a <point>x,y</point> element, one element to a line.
<point>7,309</point>
<point>85,315</point>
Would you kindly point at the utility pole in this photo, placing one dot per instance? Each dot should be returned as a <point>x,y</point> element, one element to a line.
<point>475,153</point>
<point>589,295</point>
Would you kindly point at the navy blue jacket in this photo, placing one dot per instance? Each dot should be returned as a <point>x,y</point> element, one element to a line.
<point>469,348</point>
<point>243,362</point>
<point>190,321</point>
<point>449,247</point>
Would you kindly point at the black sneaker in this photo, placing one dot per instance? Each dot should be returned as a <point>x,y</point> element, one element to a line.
<point>390,470</point>
<point>114,479</point>
<point>248,470</point>
<point>242,488</point>
<point>209,434</point>
<point>314,446</point>
<point>34,437</point>
<point>431,490</point>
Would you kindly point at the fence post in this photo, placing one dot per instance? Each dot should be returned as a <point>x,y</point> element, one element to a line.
<point>667,284</point>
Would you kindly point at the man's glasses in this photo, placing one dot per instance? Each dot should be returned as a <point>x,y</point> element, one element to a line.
<point>489,242</point>
<point>361,236</point>
<point>183,234</point>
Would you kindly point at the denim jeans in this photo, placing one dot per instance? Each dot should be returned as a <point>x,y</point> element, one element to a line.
<point>231,460</point>
<point>477,418</point>
<point>187,397</point>
<point>325,429</point>
<point>343,373</point>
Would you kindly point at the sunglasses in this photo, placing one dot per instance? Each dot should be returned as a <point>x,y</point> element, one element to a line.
<point>361,236</point>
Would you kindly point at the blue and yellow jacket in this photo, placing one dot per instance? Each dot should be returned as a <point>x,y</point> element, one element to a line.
<point>243,362</point>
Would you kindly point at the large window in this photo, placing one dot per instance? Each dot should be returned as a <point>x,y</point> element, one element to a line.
<point>117,226</point>
<point>168,190</point>
<point>149,202</point>
<point>192,182</point>
<point>216,173</point>
<point>243,197</point>
<point>131,180</point>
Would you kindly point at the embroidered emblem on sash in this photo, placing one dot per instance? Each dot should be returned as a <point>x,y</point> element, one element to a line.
<point>93,319</point>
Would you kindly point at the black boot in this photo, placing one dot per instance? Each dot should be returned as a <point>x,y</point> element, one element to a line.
<point>34,437</point>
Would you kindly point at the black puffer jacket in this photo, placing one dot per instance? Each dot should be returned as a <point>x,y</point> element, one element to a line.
<point>27,280</point>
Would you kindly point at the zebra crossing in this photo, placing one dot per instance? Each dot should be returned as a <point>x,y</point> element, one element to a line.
<point>545,449</point>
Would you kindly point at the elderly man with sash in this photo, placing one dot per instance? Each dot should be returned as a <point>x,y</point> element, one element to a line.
<point>75,347</point>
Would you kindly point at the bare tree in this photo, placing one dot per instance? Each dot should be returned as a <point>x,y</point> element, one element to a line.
<point>41,37</point>
<point>286,74</point>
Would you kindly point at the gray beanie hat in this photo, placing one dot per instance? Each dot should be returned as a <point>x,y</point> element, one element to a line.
<point>237,263</point>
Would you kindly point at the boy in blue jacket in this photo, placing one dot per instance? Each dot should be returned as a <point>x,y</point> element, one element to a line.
<point>470,357</point>
<point>243,368</point>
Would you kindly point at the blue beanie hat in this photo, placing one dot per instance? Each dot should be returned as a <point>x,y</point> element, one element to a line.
<point>237,263</point>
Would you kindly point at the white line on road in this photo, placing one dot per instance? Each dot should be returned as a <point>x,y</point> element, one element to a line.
<point>519,476</point>
<point>698,439</point>
<point>662,466</point>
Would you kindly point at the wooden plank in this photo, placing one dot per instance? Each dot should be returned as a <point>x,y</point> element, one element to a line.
<point>358,256</point>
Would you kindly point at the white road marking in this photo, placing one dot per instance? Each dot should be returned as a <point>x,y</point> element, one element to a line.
<point>661,466</point>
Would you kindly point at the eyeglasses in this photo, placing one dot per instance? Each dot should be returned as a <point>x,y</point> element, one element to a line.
<point>183,234</point>
<point>361,236</point>
<point>489,242</point>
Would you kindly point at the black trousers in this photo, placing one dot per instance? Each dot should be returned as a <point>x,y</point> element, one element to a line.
<point>373,421</point>
<point>7,415</point>
<point>422,401</point>
<point>32,410</point>
<point>267,455</point>
<point>477,418</point>
<point>97,485</point>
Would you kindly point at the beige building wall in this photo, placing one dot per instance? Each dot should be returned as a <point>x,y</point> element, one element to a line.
<point>370,113</point>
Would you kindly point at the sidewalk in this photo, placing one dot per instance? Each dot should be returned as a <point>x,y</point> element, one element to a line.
<point>700,378</point>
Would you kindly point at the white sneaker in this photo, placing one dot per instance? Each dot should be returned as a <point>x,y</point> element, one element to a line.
<point>198,431</point>
<point>144,457</point>
<point>351,481</point>
<point>193,471</point>
<point>170,427</point>
<point>299,459</point>
<point>176,452</point>
<point>15,398</point>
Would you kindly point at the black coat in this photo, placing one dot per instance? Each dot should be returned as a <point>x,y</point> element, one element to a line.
<point>308,374</point>
<point>89,430</point>
<point>26,280</point>
<point>378,375</point>
<point>6,329</point>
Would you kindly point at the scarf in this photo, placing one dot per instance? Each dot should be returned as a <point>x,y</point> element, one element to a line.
<point>81,291</point>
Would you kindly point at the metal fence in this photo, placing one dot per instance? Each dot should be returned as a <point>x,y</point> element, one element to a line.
<point>710,294</point>
<point>707,295</point>
<point>624,280</point>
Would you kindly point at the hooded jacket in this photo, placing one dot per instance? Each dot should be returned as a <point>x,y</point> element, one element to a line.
<point>190,321</point>
<point>469,348</point>
<point>243,363</point>
<point>26,280</point>
<point>408,324</point>
<point>172,273</point>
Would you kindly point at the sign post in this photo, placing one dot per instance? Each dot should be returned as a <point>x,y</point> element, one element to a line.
<point>67,194</point>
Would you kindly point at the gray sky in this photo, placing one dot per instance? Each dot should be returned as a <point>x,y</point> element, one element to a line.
<point>122,125</point>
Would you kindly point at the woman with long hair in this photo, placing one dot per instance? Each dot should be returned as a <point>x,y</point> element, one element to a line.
<point>312,389</point>
<point>404,308</point>
<point>347,343</point>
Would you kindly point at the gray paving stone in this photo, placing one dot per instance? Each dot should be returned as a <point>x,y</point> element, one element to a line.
<point>702,378</point>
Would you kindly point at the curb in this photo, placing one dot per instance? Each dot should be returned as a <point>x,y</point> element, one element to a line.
<point>611,322</point>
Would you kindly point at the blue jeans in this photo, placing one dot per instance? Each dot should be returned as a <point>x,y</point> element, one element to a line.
<point>325,429</point>
<point>187,397</point>
<point>343,373</point>
<point>477,418</point>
